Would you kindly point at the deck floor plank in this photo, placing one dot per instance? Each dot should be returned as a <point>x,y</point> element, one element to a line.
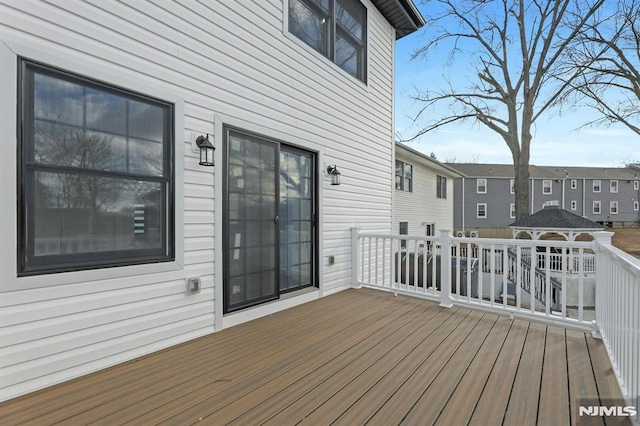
<point>355,357</point>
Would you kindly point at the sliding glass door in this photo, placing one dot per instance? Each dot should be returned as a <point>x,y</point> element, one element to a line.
<point>269,230</point>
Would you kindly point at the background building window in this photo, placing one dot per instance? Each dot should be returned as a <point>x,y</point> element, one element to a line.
<point>481,186</point>
<point>512,210</point>
<point>512,186</point>
<point>546,187</point>
<point>336,29</point>
<point>96,175</point>
<point>636,185</point>
<point>481,210</point>
<point>636,205</point>
<point>613,207</point>
<point>404,176</point>
<point>441,190</point>
<point>613,186</point>
<point>574,184</point>
<point>404,230</point>
<point>596,207</point>
<point>574,205</point>
<point>596,186</point>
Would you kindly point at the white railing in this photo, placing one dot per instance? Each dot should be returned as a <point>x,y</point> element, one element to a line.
<point>618,311</point>
<point>601,289</point>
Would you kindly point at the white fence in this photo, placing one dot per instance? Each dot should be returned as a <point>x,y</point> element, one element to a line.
<point>583,285</point>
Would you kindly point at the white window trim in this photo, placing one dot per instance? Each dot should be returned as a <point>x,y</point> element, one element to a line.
<point>574,183</point>
<point>512,186</point>
<point>613,207</point>
<point>478,186</point>
<point>636,185</point>
<point>599,186</point>
<point>599,204</point>
<point>636,206</point>
<point>547,183</point>
<point>611,184</point>
<point>512,210</point>
<point>9,52</point>
<point>478,210</point>
<point>574,205</point>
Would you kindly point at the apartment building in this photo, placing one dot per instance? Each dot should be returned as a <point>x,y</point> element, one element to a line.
<point>484,200</point>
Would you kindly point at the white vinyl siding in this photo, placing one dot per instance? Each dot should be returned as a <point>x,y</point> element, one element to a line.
<point>422,206</point>
<point>230,64</point>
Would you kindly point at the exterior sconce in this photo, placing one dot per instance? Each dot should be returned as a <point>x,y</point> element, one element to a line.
<point>335,175</point>
<point>206,150</point>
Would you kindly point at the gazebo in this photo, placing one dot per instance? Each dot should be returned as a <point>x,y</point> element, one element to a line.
<point>554,220</point>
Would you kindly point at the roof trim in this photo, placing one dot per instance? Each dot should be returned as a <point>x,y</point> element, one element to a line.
<point>402,14</point>
<point>428,160</point>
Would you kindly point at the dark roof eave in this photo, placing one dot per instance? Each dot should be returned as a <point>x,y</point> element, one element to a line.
<point>402,14</point>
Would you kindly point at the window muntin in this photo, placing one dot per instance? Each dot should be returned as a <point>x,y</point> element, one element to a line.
<point>574,184</point>
<point>481,186</point>
<point>334,28</point>
<point>597,207</point>
<point>404,176</point>
<point>96,175</point>
<point>596,185</point>
<point>546,187</point>
<point>613,186</point>
<point>481,210</point>
<point>613,207</point>
<point>441,187</point>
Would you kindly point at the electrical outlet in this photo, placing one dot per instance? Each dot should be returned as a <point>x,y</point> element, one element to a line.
<point>193,285</point>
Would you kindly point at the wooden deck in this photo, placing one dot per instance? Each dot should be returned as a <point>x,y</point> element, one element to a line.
<point>360,356</point>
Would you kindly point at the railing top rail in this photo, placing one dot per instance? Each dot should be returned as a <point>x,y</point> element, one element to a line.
<point>398,236</point>
<point>623,259</point>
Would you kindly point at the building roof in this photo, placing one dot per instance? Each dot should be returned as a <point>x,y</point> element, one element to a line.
<point>553,217</point>
<point>402,14</point>
<point>547,172</point>
<point>427,160</point>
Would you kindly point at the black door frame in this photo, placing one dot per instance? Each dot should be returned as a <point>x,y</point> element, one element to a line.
<point>226,129</point>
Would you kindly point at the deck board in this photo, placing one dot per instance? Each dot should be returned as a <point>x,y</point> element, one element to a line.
<point>354,357</point>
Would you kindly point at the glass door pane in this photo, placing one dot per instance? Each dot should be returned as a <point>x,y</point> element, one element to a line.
<point>251,261</point>
<point>297,207</point>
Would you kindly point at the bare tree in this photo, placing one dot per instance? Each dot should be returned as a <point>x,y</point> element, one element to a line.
<point>608,51</point>
<point>518,50</point>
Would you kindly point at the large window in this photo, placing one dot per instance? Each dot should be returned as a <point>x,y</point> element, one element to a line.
<point>404,176</point>
<point>441,190</point>
<point>95,177</point>
<point>336,29</point>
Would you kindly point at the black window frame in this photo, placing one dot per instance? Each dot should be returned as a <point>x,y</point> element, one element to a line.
<point>403,229</point>
<point>335,29</point>
<point>405,183</point>
<point>28,264</point>
<point>441,187</point>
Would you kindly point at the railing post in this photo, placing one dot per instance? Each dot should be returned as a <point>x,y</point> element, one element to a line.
<point>354,257</point>
<point>600,238</point>
<point>445,269</point>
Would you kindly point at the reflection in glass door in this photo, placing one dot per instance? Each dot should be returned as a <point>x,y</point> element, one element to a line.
<point>296,219</point>
<point>251,262</point>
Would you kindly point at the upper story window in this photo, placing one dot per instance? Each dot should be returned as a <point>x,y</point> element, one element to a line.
<point>574,205</point>
<point>441,190</point>
<point>597,207</point>
<point>613,207</point>
<point>96,178</point>
<point>512,210</point>
<point>481,186</point>
<point>404,230</point>
<point>546,187</point>
<point>512,186</point>
<point>404,176</point>
<point>574,184</point>
<point>636,205</point>
<point>596,185</point>
<point>337,29</point>
<point>613,186</point>
<point>636,185</point>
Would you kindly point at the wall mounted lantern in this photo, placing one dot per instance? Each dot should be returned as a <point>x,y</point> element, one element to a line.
<point>206,150</point>
<point>335,175</point>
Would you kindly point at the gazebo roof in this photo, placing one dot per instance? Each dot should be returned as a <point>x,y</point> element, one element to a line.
<point>553,217</point>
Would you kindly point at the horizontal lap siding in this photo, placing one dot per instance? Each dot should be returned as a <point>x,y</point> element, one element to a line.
<point>227,58</point>
<point>422,205</point>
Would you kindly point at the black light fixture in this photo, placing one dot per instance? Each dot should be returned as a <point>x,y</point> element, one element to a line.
<point>206,150</point>
<point>335,175</point>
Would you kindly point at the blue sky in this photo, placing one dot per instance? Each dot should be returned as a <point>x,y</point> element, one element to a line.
<point>557,140</point>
